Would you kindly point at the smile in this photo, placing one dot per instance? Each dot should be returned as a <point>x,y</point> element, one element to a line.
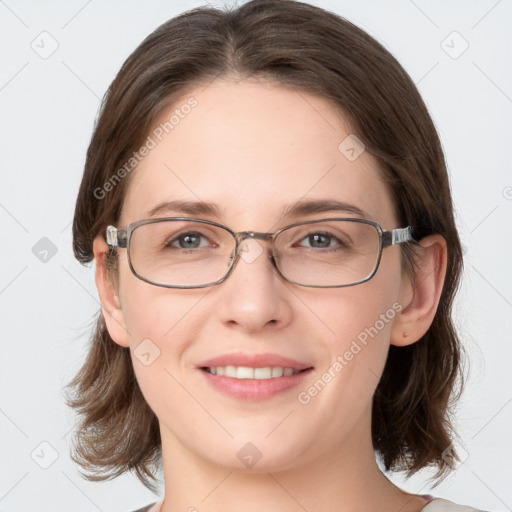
<point>247,372</point>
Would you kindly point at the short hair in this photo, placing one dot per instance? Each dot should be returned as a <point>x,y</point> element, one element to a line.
<point>304,48</point>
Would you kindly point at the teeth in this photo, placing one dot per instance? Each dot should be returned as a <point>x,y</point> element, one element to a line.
<point>277,372</point>
<point>246,372</point>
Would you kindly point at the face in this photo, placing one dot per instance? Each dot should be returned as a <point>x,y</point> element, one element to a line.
<point>254,149</point>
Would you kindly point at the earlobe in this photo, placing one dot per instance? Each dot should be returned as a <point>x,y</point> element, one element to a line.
<point>421,293</point>
<point>110,304</point>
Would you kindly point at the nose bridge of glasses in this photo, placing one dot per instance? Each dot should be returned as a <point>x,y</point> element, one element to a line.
<point>252,235</point>
<point>248,248</point>
<point>255,235</point>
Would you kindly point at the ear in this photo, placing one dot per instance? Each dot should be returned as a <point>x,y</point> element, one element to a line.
<point>109,298</point>
<point>420,293</point>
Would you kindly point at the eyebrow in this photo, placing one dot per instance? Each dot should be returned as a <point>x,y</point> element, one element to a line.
<point>186,207</point>
<point>322,206</point>
<point>300,208</point>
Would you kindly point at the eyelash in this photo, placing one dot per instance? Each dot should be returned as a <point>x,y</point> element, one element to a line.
<point>339,243</point>
<point>332,237</point>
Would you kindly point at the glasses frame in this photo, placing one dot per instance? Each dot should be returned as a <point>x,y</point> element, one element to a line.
<point>121,238</point>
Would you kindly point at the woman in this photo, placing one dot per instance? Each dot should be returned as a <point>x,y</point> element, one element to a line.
<point>266,200</point>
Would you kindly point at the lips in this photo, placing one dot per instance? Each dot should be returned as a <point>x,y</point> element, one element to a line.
<point>253,377</point>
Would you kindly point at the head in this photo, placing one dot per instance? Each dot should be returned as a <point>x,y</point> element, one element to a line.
<point>241,109</point>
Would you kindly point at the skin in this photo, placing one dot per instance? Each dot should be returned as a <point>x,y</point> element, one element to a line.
<point>253,147</point>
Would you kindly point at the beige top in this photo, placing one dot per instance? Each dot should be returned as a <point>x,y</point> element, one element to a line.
<point>440,505</point>
<point>436,505</point>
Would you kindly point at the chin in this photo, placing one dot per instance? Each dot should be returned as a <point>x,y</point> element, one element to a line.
<point>255,456</point>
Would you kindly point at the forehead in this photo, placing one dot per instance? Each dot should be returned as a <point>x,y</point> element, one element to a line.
<point>253,148</point>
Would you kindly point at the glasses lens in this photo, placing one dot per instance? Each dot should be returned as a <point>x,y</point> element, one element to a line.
<point>181,253</point>
<point>328,253</point>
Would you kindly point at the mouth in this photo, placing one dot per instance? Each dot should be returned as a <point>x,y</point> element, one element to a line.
<point>247,372</point>
<point>253,377</point>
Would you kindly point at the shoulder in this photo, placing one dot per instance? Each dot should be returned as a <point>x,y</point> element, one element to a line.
<point>153,507</point>
<point>146,509</point>
<point>441,505</point>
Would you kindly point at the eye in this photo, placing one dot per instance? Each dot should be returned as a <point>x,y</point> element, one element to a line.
<point>188,240</point>
<point>320,240</point>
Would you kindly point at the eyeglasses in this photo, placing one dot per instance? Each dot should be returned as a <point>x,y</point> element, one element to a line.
<point>181,252</point>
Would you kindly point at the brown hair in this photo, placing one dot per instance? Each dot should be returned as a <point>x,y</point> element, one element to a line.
<point>311,50</point>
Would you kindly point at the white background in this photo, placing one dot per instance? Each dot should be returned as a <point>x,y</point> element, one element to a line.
<point>48,107</point>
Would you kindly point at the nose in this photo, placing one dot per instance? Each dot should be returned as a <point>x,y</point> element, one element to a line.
<point>254,296</point>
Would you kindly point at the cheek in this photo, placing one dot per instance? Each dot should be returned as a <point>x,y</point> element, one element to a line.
<point>362,323</point>
<point>359,320</point>
<point>360,314</point>
<point>151,311</point>
<point>162,323</point>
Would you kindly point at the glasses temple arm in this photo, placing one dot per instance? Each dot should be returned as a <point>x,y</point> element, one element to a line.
<point>397,236</point>
<point>115,237</point>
